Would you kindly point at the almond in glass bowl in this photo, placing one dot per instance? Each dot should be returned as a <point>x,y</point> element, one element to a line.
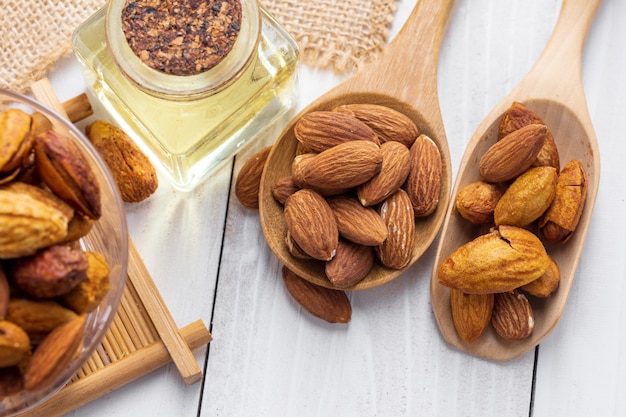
<point>61,213</point>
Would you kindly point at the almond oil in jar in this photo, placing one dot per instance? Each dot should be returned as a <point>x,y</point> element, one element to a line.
<point>190,111</point>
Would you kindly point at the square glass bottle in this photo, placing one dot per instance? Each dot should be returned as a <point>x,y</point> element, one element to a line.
<point>189,124</point>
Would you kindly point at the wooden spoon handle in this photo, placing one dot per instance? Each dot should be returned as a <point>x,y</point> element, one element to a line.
<point>558,72</point>
<point>407,69</point>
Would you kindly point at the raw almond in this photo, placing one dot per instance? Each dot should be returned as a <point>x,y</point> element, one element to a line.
<point>341,167</point>
<point>397,213</point>
<point>356,223</point>
<point>300,170</point>
<point>327,304</point>
<point>389,124</point>
<point>294,249</point>
<point>249,179</point>
<point>283,188</point>
<point>350,265</point>
<point>471,313</point>
<point>423,183</point>
<point>321,130</point>
<point>393,173</point>
<point>311,223</point>
<point>54,353</point>
<point>518,116</point>
<point>512,317</point>
<point>514,154</point>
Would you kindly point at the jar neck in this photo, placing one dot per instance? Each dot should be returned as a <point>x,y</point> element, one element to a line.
<point>184,87</point>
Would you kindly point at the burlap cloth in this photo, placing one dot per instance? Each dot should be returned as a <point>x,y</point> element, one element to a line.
<point>337,35</point>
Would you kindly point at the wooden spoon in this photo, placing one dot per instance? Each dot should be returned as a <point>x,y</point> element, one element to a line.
<point>553,89</point>
<point>403,78</point>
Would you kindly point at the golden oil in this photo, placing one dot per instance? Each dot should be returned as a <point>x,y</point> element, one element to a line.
<point>192,132</point>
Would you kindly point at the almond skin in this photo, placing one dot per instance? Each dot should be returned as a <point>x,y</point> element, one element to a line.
<point>393,173</point>
<point>389,124</point>
<point>249,179</point>
<point>312,225</point>
<point>350,265</point>
<point>471,313</point>
<point>321,130</point>
<point>423,183</point>
<point>356,223</point>
<point>512,155</point>
<point>396,211</point>
<point>327,304</point>
<point>512,317</point>
<point>500,261</point>
<point>341,167</point>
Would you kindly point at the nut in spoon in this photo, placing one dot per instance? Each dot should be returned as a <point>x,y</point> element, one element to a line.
<point>403,78</point>
<point>553,89</point>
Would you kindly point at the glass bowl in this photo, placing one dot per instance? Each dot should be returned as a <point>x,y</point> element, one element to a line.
<point>109,236</point>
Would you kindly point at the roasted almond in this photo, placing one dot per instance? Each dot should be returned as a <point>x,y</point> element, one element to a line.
<point>321,130</point>
<point>527,198</point>
<point>389,124</point>
<point>362,225</point>
<point>249,179</point>
<point>561,219</point>
<point>65,169</point>
<point>5,293</point>
<point>423,183</point>
<point>14,344</point>
<point>38,317</point>
<point>397,213</point>
<point>132,171</point>
<point>311,223</point>
<point>327,304</point>
<point>393,173</point>
<point>477,201</point>
<point>500,261</point>
<point>546,284</point>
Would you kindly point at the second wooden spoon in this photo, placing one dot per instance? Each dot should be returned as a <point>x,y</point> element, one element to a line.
<point>553,89</point>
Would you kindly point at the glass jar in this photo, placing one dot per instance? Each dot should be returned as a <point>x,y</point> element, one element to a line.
<point>190,123</point>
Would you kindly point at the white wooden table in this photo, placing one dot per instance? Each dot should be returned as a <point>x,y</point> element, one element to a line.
<point>209,259</point>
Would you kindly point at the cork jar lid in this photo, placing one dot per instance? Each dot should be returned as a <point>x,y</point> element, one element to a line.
<point>182,48</point>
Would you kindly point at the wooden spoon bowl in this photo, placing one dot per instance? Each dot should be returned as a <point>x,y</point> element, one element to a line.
<point>553,90</point>
<point>403,78</point>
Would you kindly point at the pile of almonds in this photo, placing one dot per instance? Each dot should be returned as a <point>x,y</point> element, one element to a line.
<point>49,199</point>
<point>361,175</point>
<point>523,202</point>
